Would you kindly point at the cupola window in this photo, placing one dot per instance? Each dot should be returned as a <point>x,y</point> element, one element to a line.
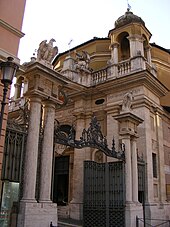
<point>124,48</point>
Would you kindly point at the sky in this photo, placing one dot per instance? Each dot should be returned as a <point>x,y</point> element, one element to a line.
<point>80,21</point>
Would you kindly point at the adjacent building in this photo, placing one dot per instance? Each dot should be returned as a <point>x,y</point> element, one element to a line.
<point>11,18</point>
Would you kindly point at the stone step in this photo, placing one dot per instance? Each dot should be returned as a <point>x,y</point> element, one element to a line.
<point>63,212</point>
<point>69,223</point>
<point>63,224</point>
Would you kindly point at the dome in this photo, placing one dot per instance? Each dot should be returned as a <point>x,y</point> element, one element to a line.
<point>128,18</point>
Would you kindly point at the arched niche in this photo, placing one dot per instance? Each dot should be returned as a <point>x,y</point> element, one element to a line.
<point>124,46</point>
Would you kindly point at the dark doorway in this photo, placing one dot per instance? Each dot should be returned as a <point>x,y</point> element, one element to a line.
<point>61,180</point>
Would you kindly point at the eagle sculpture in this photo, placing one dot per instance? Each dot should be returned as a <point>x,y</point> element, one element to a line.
<point>46,51</point>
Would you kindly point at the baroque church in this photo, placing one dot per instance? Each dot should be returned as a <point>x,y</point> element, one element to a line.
<point>88,135</point>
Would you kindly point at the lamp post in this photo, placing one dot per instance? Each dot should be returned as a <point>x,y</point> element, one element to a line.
<point>8,71</point>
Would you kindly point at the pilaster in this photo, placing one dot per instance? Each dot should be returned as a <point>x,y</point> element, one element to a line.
<point>161,171</point>
<point>76,205</point>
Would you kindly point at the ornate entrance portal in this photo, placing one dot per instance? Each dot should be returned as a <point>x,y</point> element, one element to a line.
<point>104,183</point>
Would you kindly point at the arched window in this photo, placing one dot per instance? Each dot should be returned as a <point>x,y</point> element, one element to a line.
<point>124,47</point>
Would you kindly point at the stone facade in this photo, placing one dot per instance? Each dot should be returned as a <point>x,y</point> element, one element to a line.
<point>118,81</point>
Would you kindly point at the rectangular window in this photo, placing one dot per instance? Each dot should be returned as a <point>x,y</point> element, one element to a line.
<point>154,165</point>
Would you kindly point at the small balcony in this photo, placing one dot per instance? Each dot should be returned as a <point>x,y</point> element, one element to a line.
<point>123,68</point>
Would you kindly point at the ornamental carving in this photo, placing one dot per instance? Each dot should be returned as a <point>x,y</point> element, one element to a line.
<point>91,137</point>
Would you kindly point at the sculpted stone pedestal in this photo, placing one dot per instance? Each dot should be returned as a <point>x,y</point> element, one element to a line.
<point>37,214</point>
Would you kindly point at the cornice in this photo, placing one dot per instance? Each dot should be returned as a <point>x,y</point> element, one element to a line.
<point>11,29</point>
<point>142,78</point>
<point>161,64</point>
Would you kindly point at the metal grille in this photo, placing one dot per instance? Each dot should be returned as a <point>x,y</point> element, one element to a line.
<point>13,155</point>
<point>104,194</point>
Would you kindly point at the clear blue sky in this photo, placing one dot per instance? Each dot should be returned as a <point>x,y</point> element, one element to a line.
<point>82,20</point>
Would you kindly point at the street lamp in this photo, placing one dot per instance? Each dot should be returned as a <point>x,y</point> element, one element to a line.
<point>8,71</point>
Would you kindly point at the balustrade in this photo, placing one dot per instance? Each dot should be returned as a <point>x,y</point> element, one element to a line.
<point>99,76</point>
<point>124,67</point>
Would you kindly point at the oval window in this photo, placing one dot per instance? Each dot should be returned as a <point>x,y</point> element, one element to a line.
<point>99,101</point>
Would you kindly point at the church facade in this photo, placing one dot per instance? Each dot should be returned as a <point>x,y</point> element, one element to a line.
<point>114,87</point>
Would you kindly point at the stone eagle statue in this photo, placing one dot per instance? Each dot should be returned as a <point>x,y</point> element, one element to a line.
<point>46,51</point>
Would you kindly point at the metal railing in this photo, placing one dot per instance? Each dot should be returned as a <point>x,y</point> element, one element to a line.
<point>152,222</point>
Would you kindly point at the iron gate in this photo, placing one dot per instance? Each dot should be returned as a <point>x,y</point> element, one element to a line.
<point>104,194</point>
<point>13,154</point>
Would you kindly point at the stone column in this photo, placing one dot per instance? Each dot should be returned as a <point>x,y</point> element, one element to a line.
<point>114,59</point>
<point>47,153</point>
<point>30,168</point>
<point>128,168</point>
<point>148,53</point>
<point>25,86</point>
<point>17,90</point>
<point>134,172</point>
<point>114,53</point>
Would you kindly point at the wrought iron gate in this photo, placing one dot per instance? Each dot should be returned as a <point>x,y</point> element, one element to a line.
<point>15,140</point>
<point>104,194</point>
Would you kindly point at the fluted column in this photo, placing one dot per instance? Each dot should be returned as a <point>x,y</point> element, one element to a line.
<point>30,168</point>
<point>134,172</point>
<point>47,153</point>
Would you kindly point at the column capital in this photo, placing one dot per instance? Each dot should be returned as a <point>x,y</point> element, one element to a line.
<point>128,123</point>
<point>35,99</point>
<point>49,104</point>
<point>114,45</point>
<point>136,37</point>
<point>148,48</point>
